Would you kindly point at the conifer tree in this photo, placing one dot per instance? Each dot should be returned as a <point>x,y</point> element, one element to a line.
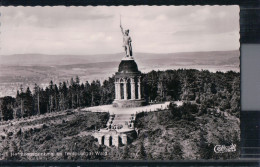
<point>126,152</point>
<point>141,154</point>
<point>28,103</point>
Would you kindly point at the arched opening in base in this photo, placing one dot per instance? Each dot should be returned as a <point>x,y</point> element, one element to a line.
<point>103,140</point>
<point>122,90</point>
<point>128,88</point>
<point>110,141</point>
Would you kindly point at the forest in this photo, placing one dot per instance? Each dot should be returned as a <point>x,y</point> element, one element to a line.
<point>210,91</point>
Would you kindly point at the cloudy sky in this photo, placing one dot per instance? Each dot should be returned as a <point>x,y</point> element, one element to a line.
<point>95,30</point>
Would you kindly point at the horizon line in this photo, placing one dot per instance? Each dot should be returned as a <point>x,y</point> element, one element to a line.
<point>117,53</point>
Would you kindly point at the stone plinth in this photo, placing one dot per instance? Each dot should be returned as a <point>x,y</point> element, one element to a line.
<point>128,103</point>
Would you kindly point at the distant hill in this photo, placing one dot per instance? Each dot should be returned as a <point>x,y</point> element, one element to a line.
<point>199,58</point>
<point>41,59</point>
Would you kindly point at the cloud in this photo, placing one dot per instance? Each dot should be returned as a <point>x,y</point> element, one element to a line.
<point>95,30</point>
<point>53,16</point>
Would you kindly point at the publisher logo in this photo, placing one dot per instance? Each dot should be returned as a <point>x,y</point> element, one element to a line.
<point>223,148</point>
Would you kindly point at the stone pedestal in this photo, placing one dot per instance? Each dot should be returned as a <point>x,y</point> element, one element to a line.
<point>128,103</point>
<point>128,85</point>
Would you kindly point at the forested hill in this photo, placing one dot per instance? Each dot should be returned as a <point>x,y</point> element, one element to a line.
<point>218,91</point>
<point>185,133</point>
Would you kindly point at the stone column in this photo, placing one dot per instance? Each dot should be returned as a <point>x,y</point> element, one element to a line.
<point>125,90</point>
<point>106,140</point>
<point>119,90</point>
<point>100,140</point>
<point>115,140</point>
<point>124,139</point>
<point>139,88</point>
<point>116,90</point>
<point>132,88</point>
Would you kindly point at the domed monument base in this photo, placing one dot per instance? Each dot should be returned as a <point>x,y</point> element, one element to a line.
<point>128,85</point>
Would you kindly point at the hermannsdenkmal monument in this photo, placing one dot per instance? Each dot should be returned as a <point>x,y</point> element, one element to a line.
<point>120,128</point>
<point>128,91</point>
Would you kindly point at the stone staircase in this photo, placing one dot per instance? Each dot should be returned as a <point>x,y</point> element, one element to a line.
<point>121,122</point>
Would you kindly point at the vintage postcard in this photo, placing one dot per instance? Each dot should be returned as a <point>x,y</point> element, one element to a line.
<point>120,83</point>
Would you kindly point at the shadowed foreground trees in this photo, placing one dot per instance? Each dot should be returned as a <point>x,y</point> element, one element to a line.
<point>176,134</point>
